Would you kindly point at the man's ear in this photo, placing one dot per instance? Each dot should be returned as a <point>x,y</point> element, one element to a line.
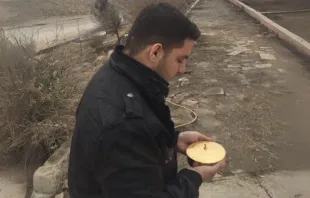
<point>156,53</point>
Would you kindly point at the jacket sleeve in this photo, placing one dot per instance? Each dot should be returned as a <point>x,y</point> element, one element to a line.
<point>132,168</point>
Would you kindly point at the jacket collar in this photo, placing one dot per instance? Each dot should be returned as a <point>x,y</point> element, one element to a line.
<point>149,82</point>
<point>151,86</point>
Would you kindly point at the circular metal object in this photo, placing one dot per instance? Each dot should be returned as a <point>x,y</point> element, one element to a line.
<point>206,152</point>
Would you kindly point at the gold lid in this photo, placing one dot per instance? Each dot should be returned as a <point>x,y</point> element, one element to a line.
<point>206,152</point>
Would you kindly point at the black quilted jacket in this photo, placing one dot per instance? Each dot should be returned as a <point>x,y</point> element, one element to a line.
<point>124,143</point>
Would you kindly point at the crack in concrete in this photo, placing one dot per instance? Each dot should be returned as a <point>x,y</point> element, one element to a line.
<point>264,188</point>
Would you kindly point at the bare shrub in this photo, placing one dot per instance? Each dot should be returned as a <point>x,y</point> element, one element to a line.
<point>108,16</point>
<point>35,98</point>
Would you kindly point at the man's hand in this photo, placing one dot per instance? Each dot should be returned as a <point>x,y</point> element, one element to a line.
<point>188,137</point>
<point>207,173</point>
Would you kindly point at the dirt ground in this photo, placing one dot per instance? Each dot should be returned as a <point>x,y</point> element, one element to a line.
<point>298,23</point>
<point>14,12</point>
<point>256,108</point>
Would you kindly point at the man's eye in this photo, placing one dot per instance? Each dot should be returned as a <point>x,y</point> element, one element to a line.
<point>180,61</point>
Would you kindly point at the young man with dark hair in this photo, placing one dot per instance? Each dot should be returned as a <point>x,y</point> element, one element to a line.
<point>124,143</point>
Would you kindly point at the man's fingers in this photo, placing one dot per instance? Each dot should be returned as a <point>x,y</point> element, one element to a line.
<point>204,138</point>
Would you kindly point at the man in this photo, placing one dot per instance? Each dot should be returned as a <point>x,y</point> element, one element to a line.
<point>124,144</point>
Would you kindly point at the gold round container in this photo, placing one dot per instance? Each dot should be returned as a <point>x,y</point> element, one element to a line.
<point>205,153</point>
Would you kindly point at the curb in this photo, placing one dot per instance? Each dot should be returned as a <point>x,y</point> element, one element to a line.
<point>301,45</point>
<point>66,41</point>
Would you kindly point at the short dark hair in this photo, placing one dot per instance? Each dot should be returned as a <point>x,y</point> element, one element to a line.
<point>160,23</point>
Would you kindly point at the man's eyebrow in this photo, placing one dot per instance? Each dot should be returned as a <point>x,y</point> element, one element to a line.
<point>185,56</point>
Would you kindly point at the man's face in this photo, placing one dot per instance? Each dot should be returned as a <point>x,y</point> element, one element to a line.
<point>175,61</point>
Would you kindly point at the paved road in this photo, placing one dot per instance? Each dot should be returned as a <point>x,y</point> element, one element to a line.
<point>53,31</point>
<point>286,184</point>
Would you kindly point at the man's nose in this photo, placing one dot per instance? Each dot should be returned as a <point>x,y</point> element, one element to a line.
<point>182,69</point>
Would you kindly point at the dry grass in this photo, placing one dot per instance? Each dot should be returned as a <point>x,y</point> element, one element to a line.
<point>35,98</point>
<point>38,99</point>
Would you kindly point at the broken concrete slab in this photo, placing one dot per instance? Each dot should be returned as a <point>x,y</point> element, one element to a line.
<point>236,52</point>
<point>247,68</point>
<point>61,195</point>
<point>233,66</point>
<point>208,34</point>
<point>246,60</point>
<point>263,66</point>
<point>204,112</point>
<point>190,103</point>
<point>232,69</point>
<point>210,81</point>
<point>238,171</point>
<point>205,101</point>
<point>224,108</point>
<point>260,52</point>
<point>287,184</point>
<point>250,42</point>
<point>241,42</point>
<point>181,116</point>
<point>214,91</point>
<point>208,123</point>
<point>267,84</point>
<point>183,81</point>
<point>266,56</point>
<point>50,178</point>
<point>247,52</point>
<point>265,47</point>
<point>239,186</point>
<point>281,70</point>
<point>203,64</point>
<point>241,79</point>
